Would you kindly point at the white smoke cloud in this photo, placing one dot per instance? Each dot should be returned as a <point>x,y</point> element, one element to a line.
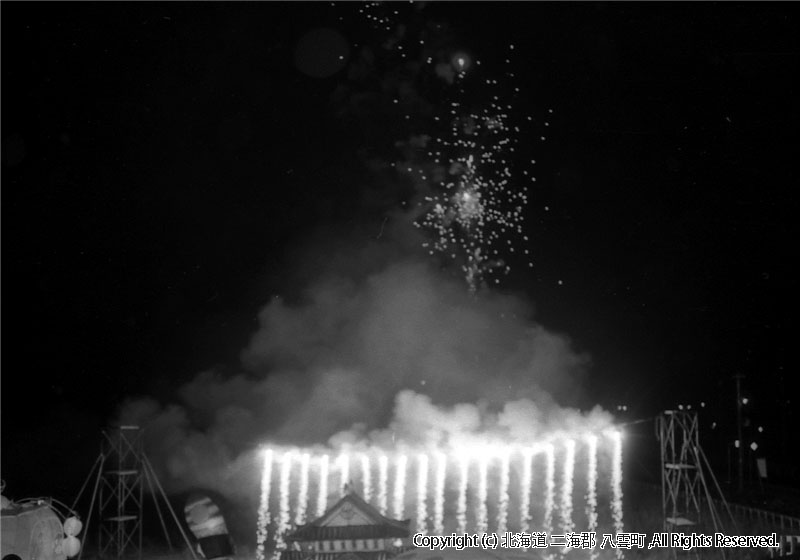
<point>344,354</point>
<point>399,355</point>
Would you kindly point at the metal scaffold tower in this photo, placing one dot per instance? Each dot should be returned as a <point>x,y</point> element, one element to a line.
<point>123,470</point>
<point>686,495</point>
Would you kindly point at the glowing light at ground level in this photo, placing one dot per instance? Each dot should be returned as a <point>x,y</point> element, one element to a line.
<point>492,487</point>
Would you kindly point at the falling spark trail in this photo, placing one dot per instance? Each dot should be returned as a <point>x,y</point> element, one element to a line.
<point>550,484</point>
<point>285,517</point>
<point>400,486</point>
<point>482,525</point>
<point>461,511</point>
<point>366,476</point>
<point>344,472</point>
<point>438,507</point>
<point>383,483</point>
<point>322,491</point>
<point>525,490</point>
<point>566,487</point>
<point>263,508</point>
<point>422,493</point>
<point>502,510</point>
<point>302,494</point>
<point>591,488</point>
<point>616,486</point>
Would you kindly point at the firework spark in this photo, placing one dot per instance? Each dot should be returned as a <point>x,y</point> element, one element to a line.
<point>475,210</point>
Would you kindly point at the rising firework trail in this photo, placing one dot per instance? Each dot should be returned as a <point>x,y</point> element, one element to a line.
<point>463,485</point>
<point>550,487</point>
<point>591,487</point>
<point>344,472</point>
<point>526,481</point>
<point>483,476</point>
<point>322,488</point>
<point>438,507</point>
<point>263,507</point>
<point>422,492</point>
<point>400,486</point>
<point>616,485</point>
<point>285,515</point>
<point>482,513</point>
<point>302,494</point>
<point>502,510</point>
<point>366,475</point>
<point>566,487</point>
<point>383,483</point>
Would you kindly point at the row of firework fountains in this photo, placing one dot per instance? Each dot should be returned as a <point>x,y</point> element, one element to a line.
<point>477,489</point>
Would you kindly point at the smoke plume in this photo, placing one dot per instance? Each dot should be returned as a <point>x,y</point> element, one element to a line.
<point>399,354</point>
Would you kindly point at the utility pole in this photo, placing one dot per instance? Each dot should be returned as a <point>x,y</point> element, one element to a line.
<point>740,447</point>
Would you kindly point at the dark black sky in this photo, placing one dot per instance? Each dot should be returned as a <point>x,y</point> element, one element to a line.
<point>164,164</point>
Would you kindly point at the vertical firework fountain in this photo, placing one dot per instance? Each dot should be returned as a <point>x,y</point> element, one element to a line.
<point>497,488</point>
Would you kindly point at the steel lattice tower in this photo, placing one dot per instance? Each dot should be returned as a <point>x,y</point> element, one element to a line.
<point>120,494</point>
<point>123,469</point>
<point>685,475</point>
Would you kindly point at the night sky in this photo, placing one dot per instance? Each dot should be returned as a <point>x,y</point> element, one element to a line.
<point>170,169</point>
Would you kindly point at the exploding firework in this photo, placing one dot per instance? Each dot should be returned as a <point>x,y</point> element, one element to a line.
<point>475,210</point>
<point>466,136</point>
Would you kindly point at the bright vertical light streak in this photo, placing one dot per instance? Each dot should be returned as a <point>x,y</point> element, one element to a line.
<point>383,483</point>
<point>438,506</point>
<point>566,487</point>
<point>482,522</point>
<point>344,472</point>
<point>591,487</point>
<point>502,509</point>
<point>322,490</point>
<point>398,504</point>
<point>285,516</point>
<point>366,477</point>
<point>302,494</point>
<point>525,482</point>
<point>550,486</point>
<point>616,485</point>
<point>463,484</point>
<point>263,507</point>
<point>422,493</point>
